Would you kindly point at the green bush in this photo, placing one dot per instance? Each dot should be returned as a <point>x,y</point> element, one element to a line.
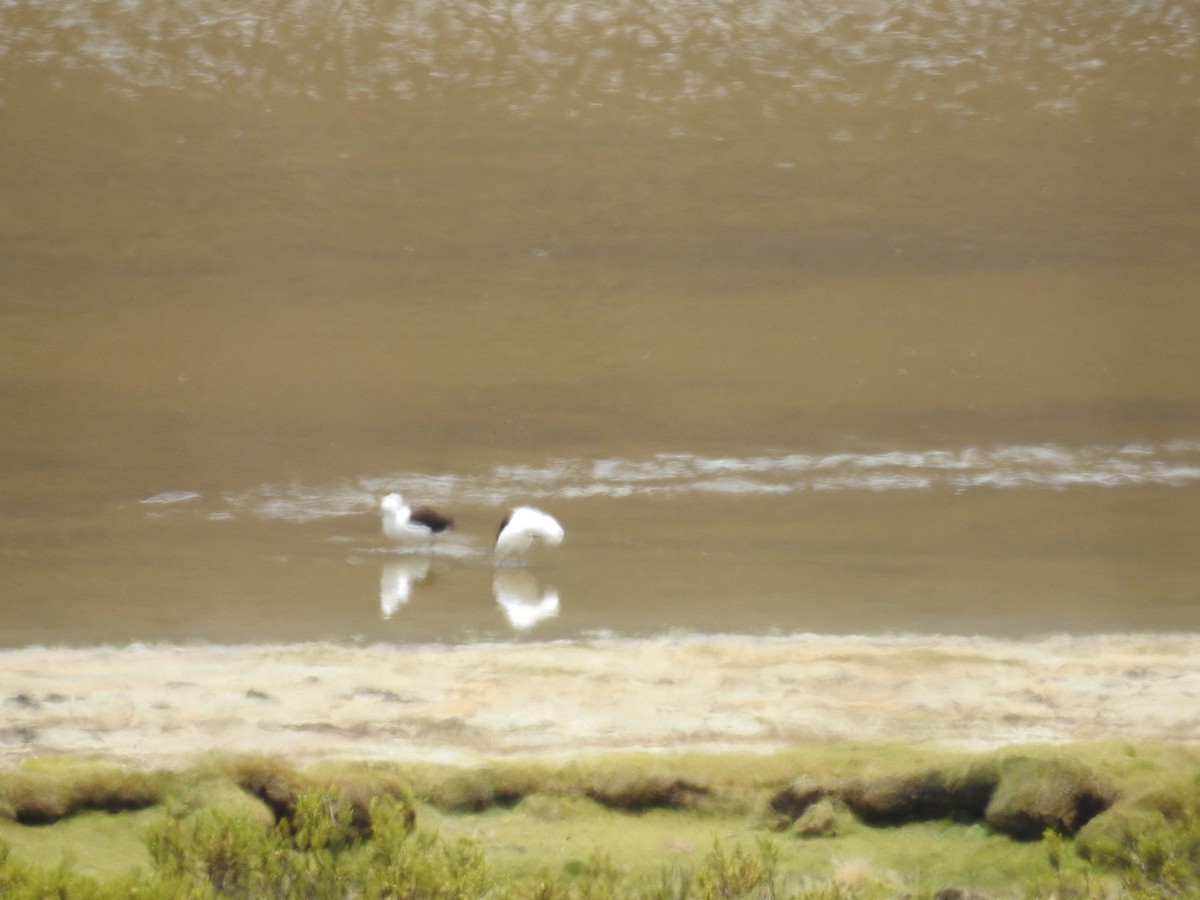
<point>1152,841</point>
<point>1157,857</point>
<point>739,872</point>
<point>320,852</point>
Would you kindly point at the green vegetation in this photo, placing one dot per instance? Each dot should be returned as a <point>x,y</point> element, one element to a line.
<point>828,821</point>
<point>38,793</point>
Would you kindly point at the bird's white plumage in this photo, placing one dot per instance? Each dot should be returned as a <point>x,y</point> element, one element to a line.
<point>401,521</point>
<point>396,521</point>
<point>523,527</point>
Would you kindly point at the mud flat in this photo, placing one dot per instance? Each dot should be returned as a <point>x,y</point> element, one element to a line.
<point>164,705</point>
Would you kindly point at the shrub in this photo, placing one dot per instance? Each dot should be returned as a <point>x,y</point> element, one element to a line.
<point>1153,843</point>
<point>318,852</point>
<point>740,872</point>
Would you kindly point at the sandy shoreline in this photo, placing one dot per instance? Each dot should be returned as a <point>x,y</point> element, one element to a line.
<point>165,705</point>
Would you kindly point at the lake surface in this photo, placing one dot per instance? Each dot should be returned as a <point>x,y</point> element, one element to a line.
<point>848,318</point>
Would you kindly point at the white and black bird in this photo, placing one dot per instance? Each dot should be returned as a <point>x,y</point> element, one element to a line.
<point>403,522</point>
<point>522,528</point>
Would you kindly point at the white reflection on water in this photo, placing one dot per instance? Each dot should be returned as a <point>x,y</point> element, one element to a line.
<point>523,599</point>
<point>1175,464</point>
<point>398,580</point>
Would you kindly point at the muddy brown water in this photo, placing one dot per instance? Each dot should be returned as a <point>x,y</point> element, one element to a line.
<point>799,317</point>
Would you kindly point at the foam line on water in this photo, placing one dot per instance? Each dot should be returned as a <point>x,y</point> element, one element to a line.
<point>1174,464</point>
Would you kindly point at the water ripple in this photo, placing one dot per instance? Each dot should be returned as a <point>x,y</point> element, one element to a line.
<point>946,57</point>
<point>1039,467</point>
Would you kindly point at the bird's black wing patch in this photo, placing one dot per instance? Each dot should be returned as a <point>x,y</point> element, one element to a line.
<point>432,519</point>
<point>503,525</point>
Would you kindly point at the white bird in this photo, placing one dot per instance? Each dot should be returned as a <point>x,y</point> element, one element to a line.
<point>524,601</point>
<point>522,527</point>
<point>401,521</point>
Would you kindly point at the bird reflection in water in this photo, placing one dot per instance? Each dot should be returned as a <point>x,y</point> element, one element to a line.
<point>398,580</point>
<point>523,599</point>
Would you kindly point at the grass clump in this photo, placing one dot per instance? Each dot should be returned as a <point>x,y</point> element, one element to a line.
<point>279,787</point>
<point>1152,840</point>
<point>1033,796</point>
<point>826,818</point>
<point>656,827</point>
<point>476,790</point>
<point>1018,796</point>
<point>40,793</point>
<point>641,791</point>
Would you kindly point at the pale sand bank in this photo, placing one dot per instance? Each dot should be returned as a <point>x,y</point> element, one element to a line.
<point>164,705</point>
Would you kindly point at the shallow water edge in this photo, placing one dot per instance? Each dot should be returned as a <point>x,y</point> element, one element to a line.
<point>163,705</point>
